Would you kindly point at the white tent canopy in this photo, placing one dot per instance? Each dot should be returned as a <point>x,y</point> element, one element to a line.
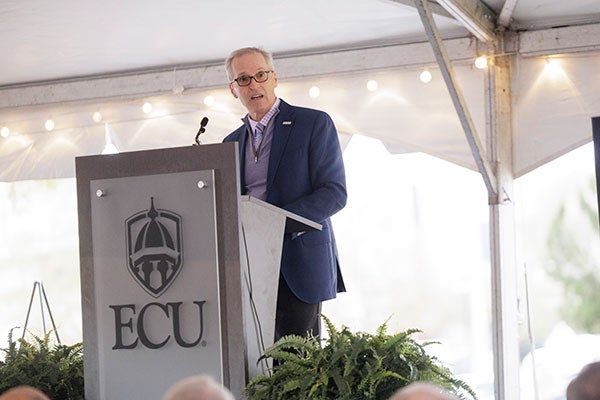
<point>67,60</point>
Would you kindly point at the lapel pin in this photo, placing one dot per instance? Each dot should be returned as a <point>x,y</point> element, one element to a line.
<point>287,122</point>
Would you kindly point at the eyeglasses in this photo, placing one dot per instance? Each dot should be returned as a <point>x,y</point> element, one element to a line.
<point>259,77</point>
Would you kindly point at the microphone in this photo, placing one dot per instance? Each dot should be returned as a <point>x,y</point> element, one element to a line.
<point>201,130</point>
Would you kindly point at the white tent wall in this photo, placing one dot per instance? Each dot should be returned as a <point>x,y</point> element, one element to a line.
<point>553,107</point>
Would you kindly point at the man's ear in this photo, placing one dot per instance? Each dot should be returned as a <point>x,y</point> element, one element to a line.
<point>233,90</point>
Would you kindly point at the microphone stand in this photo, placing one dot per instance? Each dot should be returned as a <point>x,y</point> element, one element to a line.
<point>201,130</point>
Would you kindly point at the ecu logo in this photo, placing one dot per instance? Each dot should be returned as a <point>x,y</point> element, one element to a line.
<point>154,254</point>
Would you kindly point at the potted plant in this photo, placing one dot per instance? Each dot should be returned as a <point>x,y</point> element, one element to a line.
<point>350,366</point>
<point>55,369</point>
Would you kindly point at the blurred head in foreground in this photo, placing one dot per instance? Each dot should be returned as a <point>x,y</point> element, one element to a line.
<point>23,393</point>
<point>422,391</point>
<point>199,387</point>
<point>586,385</point>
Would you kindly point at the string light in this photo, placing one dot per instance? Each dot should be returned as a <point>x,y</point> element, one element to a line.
<point>372,85</point>
<point>425,76</point>
<point>481,62</point>
<point>209,101</point>
<point>49,125</point>
<point>314,92</point>
<point>553,67</point>
<point>147,108</point>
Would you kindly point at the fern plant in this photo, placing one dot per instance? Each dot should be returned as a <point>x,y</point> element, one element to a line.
<point>350,366</point>
<point>55,369</point>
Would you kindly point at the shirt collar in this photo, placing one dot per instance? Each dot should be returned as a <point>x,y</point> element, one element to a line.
<point>267,117</point>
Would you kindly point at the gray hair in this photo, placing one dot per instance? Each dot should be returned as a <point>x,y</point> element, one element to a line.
<point>198,387</point>
<point>422,391</point>
<point>247,50</point>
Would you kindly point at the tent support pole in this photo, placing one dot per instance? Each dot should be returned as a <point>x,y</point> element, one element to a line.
<point>498,182</point>
<point>455,94</point>
<point>502,232</point>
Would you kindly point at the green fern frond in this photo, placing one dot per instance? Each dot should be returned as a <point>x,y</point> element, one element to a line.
<point>382,329</point>
<point>53,368</point>
<point>351,366</point>
<point>331,330</point>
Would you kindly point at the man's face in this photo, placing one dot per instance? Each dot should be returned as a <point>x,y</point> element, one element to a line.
<point>256,97</point>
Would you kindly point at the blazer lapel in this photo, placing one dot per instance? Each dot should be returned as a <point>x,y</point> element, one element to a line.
<point>241,139</point>
<point>284,121</point>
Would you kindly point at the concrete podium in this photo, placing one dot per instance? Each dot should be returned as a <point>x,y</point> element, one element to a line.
<point>179,273</point>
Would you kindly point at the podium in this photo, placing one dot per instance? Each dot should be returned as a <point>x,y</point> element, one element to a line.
<point>179,273</point>
<point>263,227</point>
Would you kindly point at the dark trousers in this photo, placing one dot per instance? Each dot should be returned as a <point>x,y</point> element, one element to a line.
<point>295,316</point>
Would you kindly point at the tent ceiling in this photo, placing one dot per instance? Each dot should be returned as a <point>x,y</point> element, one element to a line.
<point>44,40</point>
<point>64,59</point>
<point>73,38</point>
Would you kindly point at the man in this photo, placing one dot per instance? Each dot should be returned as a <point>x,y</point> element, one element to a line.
<point>421,391</point>
<point>200,387</point>
<point>294,161</point>
<point>586,385</point>
<point>23,393</point>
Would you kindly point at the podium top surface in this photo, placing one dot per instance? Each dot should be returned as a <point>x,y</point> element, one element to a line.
<point>293,223</point>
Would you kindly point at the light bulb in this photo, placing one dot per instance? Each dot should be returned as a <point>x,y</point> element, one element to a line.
<point>553,67</point>
<point>4,132</point>
<point>97,117</point>
<point>481,62</point>
<point>425,76</point>
<point>49,125</point>
<point>314,92</point>
<point>147,108</point>
<point>209,101</point>
<point>372,85</point>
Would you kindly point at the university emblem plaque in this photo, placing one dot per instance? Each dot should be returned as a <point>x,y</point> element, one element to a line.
<point>154,248</point>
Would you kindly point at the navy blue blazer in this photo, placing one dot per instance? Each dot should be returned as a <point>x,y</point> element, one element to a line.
<point>305,176</point>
